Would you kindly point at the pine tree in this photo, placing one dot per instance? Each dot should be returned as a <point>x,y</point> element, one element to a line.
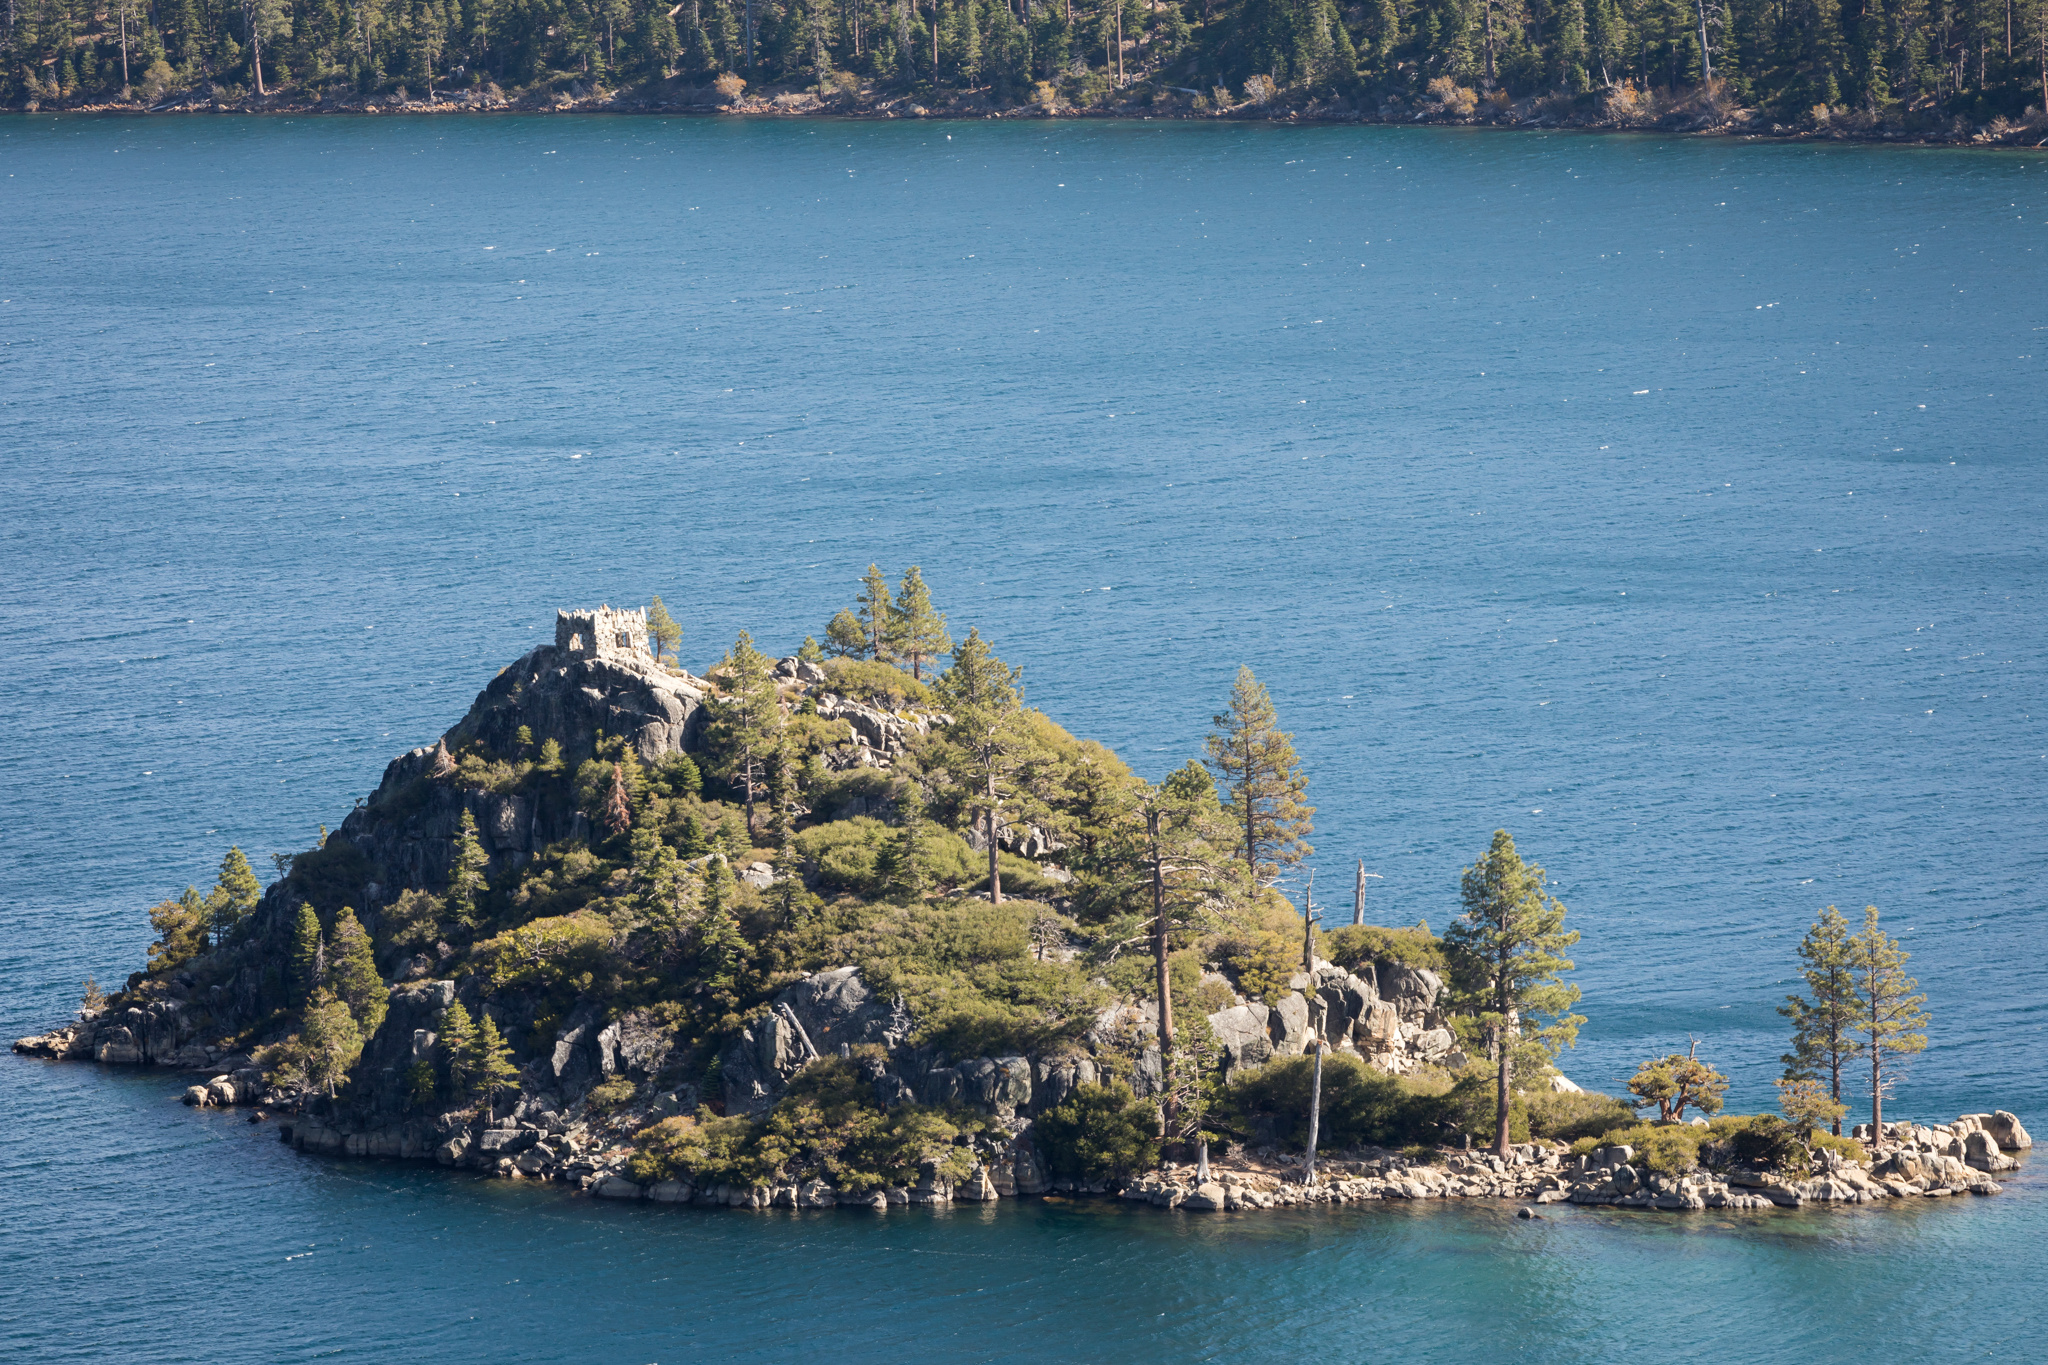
<point>1678,1082</point>
<point>1255,765</point>
<point>878,616</point>
<point>306,953</point>
<point>330,1040</point>
<point>493,1067</point>
<point>903,867</point>
<point>746,724</point>
<point>618,806</point>
<point>989,734</point>
<point>458,1043</point>
<point>95,999</point>
<point>466,874</point>
<point>180,927</point>
<point>1891,1019</point>
<point>234,896</point>
<point>550,756</point>
<point>1507,950</point>
<point>667,634</point>
<point>810,651</point>
<point>846,637</point>
<point>353,974</point>
<point>1823,1027</point>
<point>720,949</point>
<point>920,628</point>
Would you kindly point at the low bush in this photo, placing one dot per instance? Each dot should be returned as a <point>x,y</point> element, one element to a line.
<point>1848,1148</point>
<point>849,854</point>
<point>1361,1106</point>
<point>1353,945</point>
<point>880,685</point>
<point>1099,1132</point>
<point>610,1094</point>
<point>827,1125</point>
<point>1667,1148</point>
<point>1568,1117</point>
<point>545,954</point>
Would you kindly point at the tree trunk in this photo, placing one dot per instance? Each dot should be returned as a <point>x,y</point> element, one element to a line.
<point>1315,1114</point>
<point>1251,847</point>
<point>1358,910</point>
<point>1159,964</point>
<point>995,872</point>
<point>256,58</point>
<point>1502,1092</point>
<point>1876,1093</point>
<point>124,50</point>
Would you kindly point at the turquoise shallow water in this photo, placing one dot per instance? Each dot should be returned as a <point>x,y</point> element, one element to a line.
<point>1678,505</point>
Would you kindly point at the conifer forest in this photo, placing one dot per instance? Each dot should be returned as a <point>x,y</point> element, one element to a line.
<point>1883,60</point>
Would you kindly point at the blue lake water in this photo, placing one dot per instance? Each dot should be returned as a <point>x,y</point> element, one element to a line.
<point>1678,505</point>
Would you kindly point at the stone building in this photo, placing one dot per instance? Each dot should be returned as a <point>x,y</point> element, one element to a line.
<point>601,633</point>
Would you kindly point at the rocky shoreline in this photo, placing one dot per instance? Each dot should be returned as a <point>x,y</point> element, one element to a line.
<point>541,1140</point>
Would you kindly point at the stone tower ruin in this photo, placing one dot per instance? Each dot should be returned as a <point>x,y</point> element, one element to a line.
<point>600,634</point>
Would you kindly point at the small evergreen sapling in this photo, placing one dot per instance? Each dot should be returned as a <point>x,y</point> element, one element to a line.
<point>494,1069</point>
<point>458,1044</point>
<point>466,874</point>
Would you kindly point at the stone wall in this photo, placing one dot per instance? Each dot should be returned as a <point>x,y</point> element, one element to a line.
<point>601,633</point>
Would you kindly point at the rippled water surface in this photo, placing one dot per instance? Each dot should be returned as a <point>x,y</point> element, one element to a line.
<point>1678,505</point>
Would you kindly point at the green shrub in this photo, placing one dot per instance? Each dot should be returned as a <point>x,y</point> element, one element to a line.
<point>1567,1117</point>
<point>1848,1148</point>
<point>849,854</point>
<point>828,1121</point>
<point>826,1125</point>
<point>1099,1132</point>
<point>1353,945</point>
<point>1261,964</point>
<point>967,976</point>
<point>875,684</point>
<point>544,954</point>
<point>675,775</point>
<point>1361,1105</point>
<point>1021,876</point>
<point>1667,1148</point>
<point>610,1095</point>
<point>707,1148</point>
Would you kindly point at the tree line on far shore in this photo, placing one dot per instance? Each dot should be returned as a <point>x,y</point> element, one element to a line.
<point>1975,59</point>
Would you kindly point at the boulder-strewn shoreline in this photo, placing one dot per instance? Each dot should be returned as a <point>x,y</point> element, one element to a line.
<point>541,1140</point>
<point>1684,114</point>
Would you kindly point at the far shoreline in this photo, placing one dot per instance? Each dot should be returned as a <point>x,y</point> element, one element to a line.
<point>904,109</point>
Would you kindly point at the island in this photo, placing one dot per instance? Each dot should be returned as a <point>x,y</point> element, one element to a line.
<point>858,926</point>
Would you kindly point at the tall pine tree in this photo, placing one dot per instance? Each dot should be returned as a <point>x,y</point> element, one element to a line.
<point>1507,952</point>
<point>1254,764</point>
<point>1824,1020</point>
<point>1891,1020</point>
